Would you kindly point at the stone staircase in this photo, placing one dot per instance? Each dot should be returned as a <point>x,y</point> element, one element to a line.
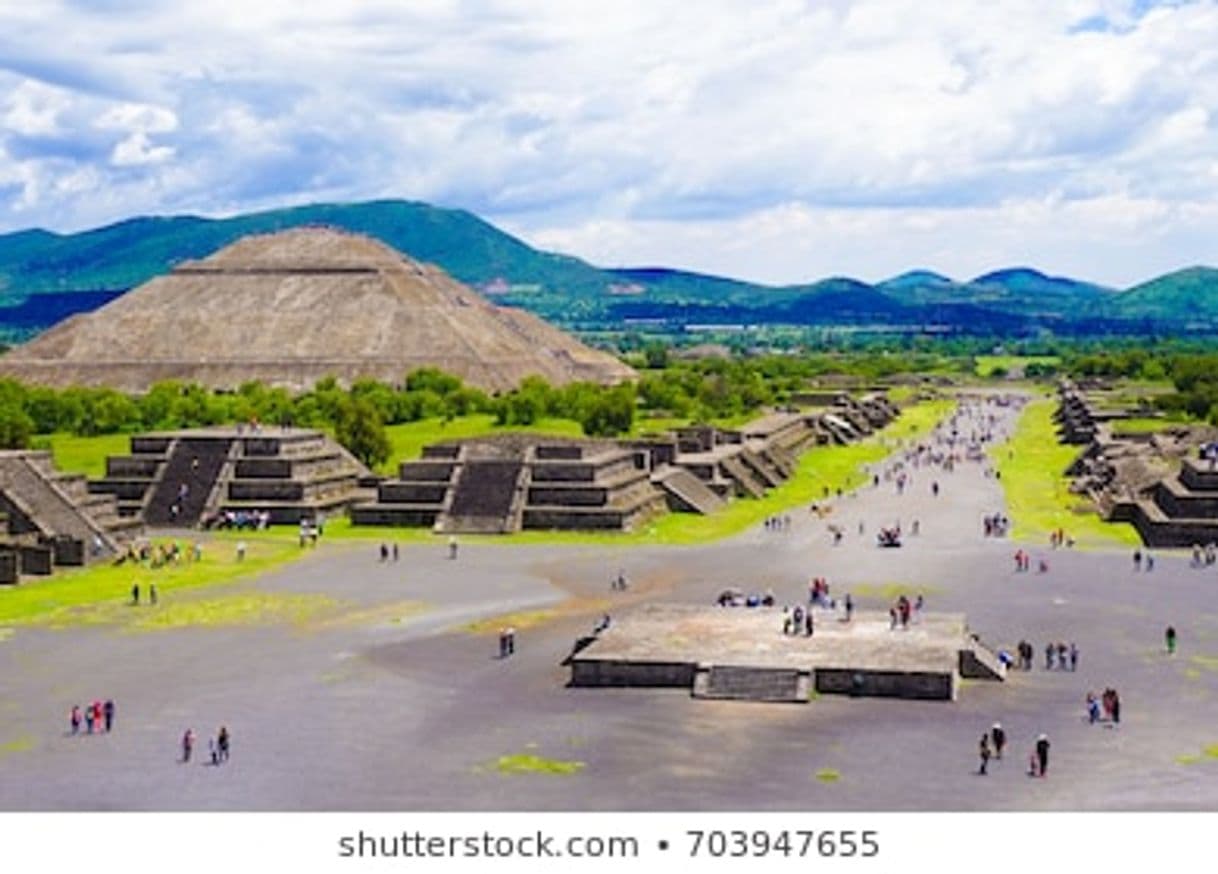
<point>32,492</point>
<point>686,492</point>
<point>195,463</point>
<point>753,683</point>
<point>483,497</point>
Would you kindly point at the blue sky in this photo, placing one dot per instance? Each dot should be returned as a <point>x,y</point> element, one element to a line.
<point>776,141</point>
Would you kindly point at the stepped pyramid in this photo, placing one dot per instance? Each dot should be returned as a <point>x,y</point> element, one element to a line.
<point>292,307</point>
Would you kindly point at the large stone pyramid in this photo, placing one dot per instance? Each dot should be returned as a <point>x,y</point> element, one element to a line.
<point>292,307</point>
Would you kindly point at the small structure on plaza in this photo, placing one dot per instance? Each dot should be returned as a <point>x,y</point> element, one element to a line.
<point>49,518</point>
<point>232,476</point>
<point>742,653</point>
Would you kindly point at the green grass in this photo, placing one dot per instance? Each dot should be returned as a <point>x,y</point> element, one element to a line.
<point>828,775</point>
<point>985,365</point>
<point>1037,491</point>
<point>1145,426</point>
<point>99,594</point>
<point>407,440</point>
<point>526,763</point>
<point>87,455</point>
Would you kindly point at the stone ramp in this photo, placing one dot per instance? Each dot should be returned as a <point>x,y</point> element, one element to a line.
<point>686,491</point>
<point>195,463</point>
<point>741,683</point>
<point>977,662</point>
<point>484,497</point>
<point>743,477</point>
<point>46,505</point>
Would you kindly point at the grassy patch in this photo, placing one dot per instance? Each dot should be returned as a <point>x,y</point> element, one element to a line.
<point>1145,425</point>
<point>887,592</point>
<point>1032,465</point>
<point>18,745</point>
<point>1207,753</point>
<point>521,620</point>
<point>407,440</point>
<point>100,594</point>
<point>527,763</point>
<point>828,775</point>
<point>985,365</point>
<point>247,608</point>
<point>87,455</point>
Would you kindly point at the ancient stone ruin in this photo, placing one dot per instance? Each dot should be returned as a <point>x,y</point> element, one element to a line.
<point>290,308</point>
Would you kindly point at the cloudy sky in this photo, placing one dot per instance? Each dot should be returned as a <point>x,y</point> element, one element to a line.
<point>774,141</point>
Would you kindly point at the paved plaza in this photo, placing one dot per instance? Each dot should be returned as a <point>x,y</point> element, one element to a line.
<point>397,704</point>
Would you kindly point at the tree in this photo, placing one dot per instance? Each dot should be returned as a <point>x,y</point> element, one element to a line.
<point>360,429</point>
<point>15,426</point>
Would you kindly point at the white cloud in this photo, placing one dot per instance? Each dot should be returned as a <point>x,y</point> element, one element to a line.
<point>808,128</point>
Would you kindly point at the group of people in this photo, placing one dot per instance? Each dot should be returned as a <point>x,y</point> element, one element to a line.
<point>507,641</point>
<point>994,741</point>
<point>96,717</point>
<point>903,611</point>
<point>159,555</point>
<point>1109,702</point>
<point>1059,537</point>
<point>135,594</point>
<point>1062,656</point>
<point>996,525</point>
<point>217,747</point>
<point>798,621</point>
<point>1023,562</point>
<point>1203,556</point>
<point>737,598</point>
<point>818,593</point>
<point>778,523</point>
<point>387,551</point>
<point>239,520</point>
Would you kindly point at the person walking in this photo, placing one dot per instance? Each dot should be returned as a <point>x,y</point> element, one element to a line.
<point>1170,637</point>
<point>135,594</point>
<point>1042,755</point>
<point>984,751</point>
<point>1073,656</point>
<point>1093,708</point>
<point>999,739</point>
<point>74,718</point>
<point>222,742</point>
<point>108,713</point>
<point>1116,708</point>
<point>188,745</point>
<point>152,594</point>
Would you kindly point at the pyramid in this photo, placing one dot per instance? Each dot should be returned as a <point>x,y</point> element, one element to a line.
<point>293,307</point>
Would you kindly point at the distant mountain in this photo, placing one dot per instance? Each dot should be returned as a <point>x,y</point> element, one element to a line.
<point>46,276</point>
<point>1188,296</point>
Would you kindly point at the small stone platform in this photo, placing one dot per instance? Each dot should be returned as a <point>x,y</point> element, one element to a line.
<point>741,652</point>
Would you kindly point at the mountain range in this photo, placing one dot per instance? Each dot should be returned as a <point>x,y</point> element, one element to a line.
<point>46,276</point>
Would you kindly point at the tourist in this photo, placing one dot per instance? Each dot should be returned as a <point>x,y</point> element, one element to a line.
<point>1042,755</point>
<point>384,552</point>
<point>1116,708</point>
<point>452,547</point>
<point>108,711</point>
<point>1093,708</point>
<point>1061,656</point>
<point>74,718</point>
<point>1170,637</point>
<point>808,629</point>
<point>849,607</point>
<point>797,620</point>
<point>222,743</point>
<point>1137,560</point>
<point>999,739</point>
<point>89,718</point>
<point>188,745</point>
<point>152,594</point>
<point>135,594</point>
<point>1150,562</point>
<point>1049,650</point>
<point>240,550</point>
<point>1073,657</point>
<point>502,643</point>
<point>211,748</point>
<point>511,640</point>
<point>395,552</point>
<point>985,753</point>
<point>892,618</point>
